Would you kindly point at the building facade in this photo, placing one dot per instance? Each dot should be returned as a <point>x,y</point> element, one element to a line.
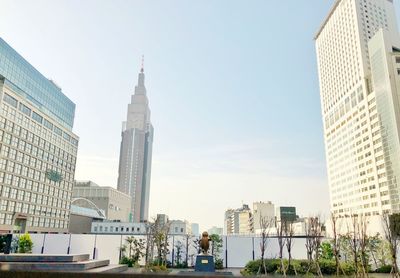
<point>38,148</point>
<point>115,227</point>
<point>82,217</point>
<point>116,204</point>
<point>176,227</point>
<point>262,210</point>
<point>357,50</point>
<point>195,229</point>
<point>136,153</point>
<point>238,221</point>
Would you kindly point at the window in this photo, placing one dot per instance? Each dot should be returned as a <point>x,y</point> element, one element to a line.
<point>57,131</point>
<point>47,124</point>
<point>37,117</point>
<point>10,100</point>
<point>25,109</point>
<point>398,60</point>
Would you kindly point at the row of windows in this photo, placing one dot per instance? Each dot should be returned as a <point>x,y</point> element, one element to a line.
<point>39,119</point>
<point>53,197</point>
<point>117,229</point>
<point>32,209</point>
<point>36,129</point>
<point>6,219</point>
<point>57,200</point>
<point>34,168</point>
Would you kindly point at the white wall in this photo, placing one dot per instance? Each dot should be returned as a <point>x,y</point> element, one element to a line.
<point>239,249</point>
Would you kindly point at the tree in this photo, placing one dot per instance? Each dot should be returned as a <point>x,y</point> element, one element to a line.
<point>265,225</point>
<point>150,227</point>
<point>216,246</point>
<point>335,242</point>
<point>179,248</point>
<point>363,243</point>
<point>391,236</point>
<point>354,243</point>
<point>326,251</point>
<point>135,249</point>
<point>281,243</point>
<point>315,234</point>
<point>187,238</point>
<point>289,232</point>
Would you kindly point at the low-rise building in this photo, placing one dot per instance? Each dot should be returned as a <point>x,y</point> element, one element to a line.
<point>115,227</point>
<point>116,204</point>
<point>176,227</point>
<point>81,219</point>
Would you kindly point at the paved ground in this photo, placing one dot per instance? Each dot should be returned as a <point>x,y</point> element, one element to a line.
<point>235,271</point>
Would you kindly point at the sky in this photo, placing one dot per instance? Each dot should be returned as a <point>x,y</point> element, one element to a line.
<point>233,90</point>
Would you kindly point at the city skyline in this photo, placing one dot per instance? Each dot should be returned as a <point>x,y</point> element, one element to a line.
<point>234,116</point>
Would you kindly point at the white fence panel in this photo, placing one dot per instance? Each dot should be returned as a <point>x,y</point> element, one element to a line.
<point>240,250</point>
<point>107,248</point>
<point>37,240</point>
<point>56,243</point>
<point>82,244</point>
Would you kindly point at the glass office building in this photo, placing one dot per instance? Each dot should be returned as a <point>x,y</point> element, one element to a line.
<point>37,148</point>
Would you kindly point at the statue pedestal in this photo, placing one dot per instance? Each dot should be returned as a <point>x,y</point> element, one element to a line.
<point>204,263</point>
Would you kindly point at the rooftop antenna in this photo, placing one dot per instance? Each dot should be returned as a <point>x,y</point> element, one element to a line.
<point>142,69</point>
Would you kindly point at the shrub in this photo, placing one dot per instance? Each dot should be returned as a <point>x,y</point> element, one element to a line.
<point>384,269</point>
<point>181,265</point>
<point>272,266</point>
<point>3,241</point>
<point>348,268</point>
<point>301,267</point>
<point>25,244</point>
<point>327,267</point>
<point>219,263</point>
<point>156,269</point>
<point>128,261</point>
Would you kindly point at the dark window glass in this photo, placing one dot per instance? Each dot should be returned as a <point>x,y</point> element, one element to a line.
<point>57,131</point>
<point>10,100</point>
<point>25,109</point>
<point>37,117</point>
<point>47,124</point>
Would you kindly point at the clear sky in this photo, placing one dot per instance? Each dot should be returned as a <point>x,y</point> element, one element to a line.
<point>232,85</point>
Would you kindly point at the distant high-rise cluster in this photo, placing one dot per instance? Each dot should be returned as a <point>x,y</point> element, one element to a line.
<point>246,221</point>
<point>358,51</point>
<point>37,148</point>
<point>136,153</point>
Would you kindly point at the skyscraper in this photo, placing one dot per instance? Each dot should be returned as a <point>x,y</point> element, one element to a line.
<point>38,148</point>
<point>136,153</point>
<point>358,51</point>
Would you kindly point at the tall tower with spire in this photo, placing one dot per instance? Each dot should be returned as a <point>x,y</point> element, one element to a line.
<point>136,152</point>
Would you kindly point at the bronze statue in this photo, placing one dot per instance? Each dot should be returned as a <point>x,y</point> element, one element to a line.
<point>205,242</point>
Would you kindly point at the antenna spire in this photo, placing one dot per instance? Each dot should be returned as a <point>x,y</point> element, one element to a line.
<point>142,69</point>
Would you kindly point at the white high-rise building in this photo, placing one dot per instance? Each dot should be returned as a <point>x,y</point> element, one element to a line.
<point>358,51</point>
<point>136,153</point>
